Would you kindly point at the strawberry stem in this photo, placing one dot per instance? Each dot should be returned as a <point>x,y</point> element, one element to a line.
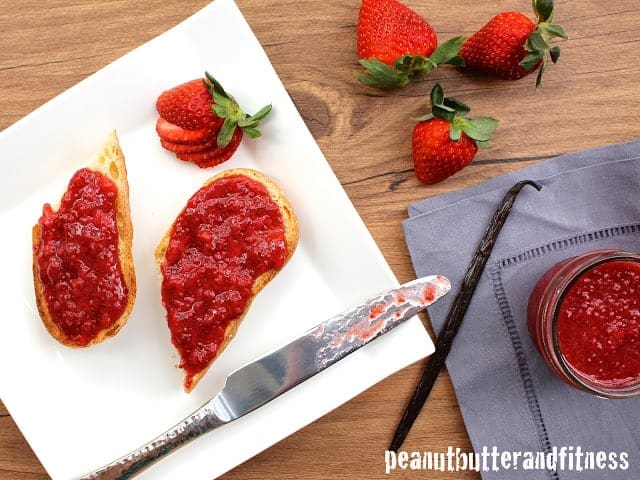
<point>408,68</point>
<point>225,106</point>
<point>454,111</point>
<point>538,42</point>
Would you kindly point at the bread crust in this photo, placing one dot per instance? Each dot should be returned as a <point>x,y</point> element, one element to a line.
<point>291,233</point>
<point>110,162</point>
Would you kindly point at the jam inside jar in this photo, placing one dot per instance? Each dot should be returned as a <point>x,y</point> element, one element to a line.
<point>584,318</point>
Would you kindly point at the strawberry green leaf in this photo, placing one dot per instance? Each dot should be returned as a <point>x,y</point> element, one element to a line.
<point>252,132</point>
<point>215,84</point>
<point>456,61</point>
<point>226,132</point>
<point>447,107</point>
<point>455,132</point>
<point>536,42</point>
<point>247,123</point>
<point>220,110</point>
<point>260,114</point>
<point>380,75</point>
<point>448,51</point>
<point>539,76</point>
<point>552,30</point>
<point>486,144</point>
<point>437,94</point>
<point>221,100</point>
<point>543,9</point>
<point>554,52</point>
<point>485,124</point>
<point>224,105</point>
<point>414,65</point>
<point>402,64</point>
<point>480,129</point>
<point>445,113</point>
<point>457,105</point>
<point>531,60</point>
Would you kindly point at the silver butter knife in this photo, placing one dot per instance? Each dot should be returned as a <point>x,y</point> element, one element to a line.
<point>264,379</point>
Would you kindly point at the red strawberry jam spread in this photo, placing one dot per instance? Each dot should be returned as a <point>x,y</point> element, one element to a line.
<point>77,258</point>
<point>598,323</point>
<point>229,233</point>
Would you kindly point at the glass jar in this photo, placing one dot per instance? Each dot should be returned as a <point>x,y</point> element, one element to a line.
<point>584,318</point>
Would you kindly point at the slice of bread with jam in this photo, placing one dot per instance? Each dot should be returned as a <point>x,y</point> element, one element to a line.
<point>83,271</point>
<point>233,236</point>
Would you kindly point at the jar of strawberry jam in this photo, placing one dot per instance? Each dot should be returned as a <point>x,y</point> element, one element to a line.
<point>584,318</point>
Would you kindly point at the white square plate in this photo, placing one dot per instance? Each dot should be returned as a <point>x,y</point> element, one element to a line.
<point>81,408</point>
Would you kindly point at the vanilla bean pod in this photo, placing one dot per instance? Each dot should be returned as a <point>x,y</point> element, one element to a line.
<point>457,312</point>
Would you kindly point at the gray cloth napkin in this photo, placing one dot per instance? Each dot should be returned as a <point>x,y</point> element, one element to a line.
<point>509,397</point>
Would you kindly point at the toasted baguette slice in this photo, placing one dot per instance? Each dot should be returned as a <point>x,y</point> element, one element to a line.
<point>109,161</point>
<point>291,234</point>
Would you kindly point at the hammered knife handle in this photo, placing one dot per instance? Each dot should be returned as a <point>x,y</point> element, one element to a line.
<point>201,421</point>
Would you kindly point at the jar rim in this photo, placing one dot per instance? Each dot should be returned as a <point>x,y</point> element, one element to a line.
<point>582,264</point>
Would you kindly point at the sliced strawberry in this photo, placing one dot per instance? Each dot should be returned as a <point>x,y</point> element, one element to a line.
<point>202,123</point>
<point>175,134</point>
<point>215,155</point>
<point>187,147</point>
<point>189,106</point>
<point>208,158</point>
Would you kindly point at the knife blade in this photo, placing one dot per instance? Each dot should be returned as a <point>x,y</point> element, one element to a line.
<point>268,377</point>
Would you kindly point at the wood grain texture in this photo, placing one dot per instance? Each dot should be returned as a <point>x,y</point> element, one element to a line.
<point>590,98</point>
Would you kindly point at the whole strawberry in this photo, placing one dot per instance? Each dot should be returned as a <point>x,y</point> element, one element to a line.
<point>200,122</point>
<point>510,46</point>
<point>396,45</point>
<point>388,29</point>
<point>444,141</point>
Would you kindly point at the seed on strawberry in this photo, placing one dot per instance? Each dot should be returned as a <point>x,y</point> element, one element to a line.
<point>396,45</point>
<point>510,46</point>
<point>444,141</point>
<point>199,112</point>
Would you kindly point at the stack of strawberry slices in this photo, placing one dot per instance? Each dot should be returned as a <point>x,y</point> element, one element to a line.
<point>201,123</point>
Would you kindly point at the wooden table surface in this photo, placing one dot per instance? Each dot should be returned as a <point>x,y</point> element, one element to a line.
<point>590,98</point>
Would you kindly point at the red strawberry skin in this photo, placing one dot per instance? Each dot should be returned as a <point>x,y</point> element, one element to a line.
<point>388,30</point>
<point>189,106</point>
<point>437,157</point>
<point>498,47</point>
